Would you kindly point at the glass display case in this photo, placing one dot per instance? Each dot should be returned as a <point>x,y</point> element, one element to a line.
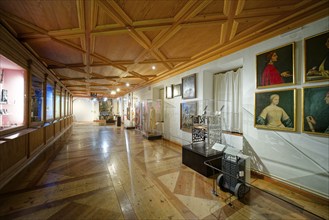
<point>137,119</point>
<point>67,111</point>
<point>201,125</point>
<point>58,102</point>
<point>12,95</point>
<point>150,114</point>
<point>49,102</point>
<point>63,103</point>
<point>36,99</point>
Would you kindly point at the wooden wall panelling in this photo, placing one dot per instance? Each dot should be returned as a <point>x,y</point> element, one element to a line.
<point>62,124</point>
<point>36,141</point>
<point>49,130</point>
<point>57,128</point>
<point>12,154</point>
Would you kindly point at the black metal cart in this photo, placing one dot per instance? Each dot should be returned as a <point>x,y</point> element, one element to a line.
<point>234,174</point>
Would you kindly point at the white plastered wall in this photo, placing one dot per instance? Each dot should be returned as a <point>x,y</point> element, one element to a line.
<point>294,157</point>
<point>85,110</point>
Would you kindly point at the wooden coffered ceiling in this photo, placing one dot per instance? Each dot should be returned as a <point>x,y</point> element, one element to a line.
<point>95,46</point>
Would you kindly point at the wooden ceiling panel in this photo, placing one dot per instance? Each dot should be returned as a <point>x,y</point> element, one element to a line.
<point>103,18</point>
<point>75,41</point>
<point>151,34</point>
<point>18,28</point>
<point>69,73</point>
<point>146,69</point>
<point>100,81</point>
<point>190,41</point>
<point>103,40</point>
<point>117,47</point>
<point>256,4</point>
<point>107,71</point>
<point>55,14</point>
<point>146,9</point>
<point>53,50</point>
<point>215,7</point>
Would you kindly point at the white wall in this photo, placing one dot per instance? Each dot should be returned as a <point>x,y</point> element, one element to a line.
<point>297,158</point>
<point>85,110</point>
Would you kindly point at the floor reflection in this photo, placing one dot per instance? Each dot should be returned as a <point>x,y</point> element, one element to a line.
<point>108,172</point>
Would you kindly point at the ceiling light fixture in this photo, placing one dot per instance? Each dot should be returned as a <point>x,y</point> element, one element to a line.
<point>113,92</point>
<point>118,89</point>
<point>127,84</point>
<point>153,67</point>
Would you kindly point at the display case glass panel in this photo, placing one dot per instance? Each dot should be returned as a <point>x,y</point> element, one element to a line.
<point>49,102</point>
<point>150,123</point>
<point>63,103</point>
<point>12,94</point>
<point>36,99</point>
<point>67,104</point>
<point>57,103</point>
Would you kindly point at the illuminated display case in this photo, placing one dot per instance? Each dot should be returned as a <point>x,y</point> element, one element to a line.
<point>67,112</point>
<point>57,103</point>
<point>36,99</point>
<point>50,102</point>
<point>63,103</point>
<point>150,114</point>
<point>12,95</point>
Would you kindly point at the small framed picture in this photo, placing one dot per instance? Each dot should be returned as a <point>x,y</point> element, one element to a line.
<point>276,110</point>
<point>189,87</point>
<point>187,109</point>
<point>177,90</point>
<point>275,67</point>
<point>169,94</point>
<point>315,110</point>
<point>316,53</point>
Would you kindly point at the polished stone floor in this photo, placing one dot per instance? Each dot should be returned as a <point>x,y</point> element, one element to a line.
<point>107,172</point>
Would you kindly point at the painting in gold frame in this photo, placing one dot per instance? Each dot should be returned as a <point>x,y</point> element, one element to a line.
<point>315,110</point>
<point>187,109</point>
<point>316,54</point>
<point>276,110</point>
<point>276,67</point>
<point>189,87</point>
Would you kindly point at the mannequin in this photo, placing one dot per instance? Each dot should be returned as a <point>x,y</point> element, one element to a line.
<point>152,119</point>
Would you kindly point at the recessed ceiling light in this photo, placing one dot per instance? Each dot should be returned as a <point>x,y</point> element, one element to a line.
<point>153,67</point>
<point>127,84</point>
<point>113,92</point>
<point>118,89</point>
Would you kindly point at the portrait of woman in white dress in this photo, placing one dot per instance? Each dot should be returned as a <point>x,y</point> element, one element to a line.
<point>275,110</point>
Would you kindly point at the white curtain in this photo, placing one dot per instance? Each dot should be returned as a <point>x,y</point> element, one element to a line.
<point>228,92</point>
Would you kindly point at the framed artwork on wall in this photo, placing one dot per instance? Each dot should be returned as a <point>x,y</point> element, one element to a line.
<point>169,92</point>
<point>189,87</point>
<point>276,110</point>
<point>315,110</point>
<point>316,54</point>
<point>177,90</point>
<point>275,67</point>
<point>187,109</point>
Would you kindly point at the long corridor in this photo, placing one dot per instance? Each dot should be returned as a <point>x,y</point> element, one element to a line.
<point>107,172</point>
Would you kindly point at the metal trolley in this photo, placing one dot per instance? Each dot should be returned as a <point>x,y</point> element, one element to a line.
<point>234,174</point>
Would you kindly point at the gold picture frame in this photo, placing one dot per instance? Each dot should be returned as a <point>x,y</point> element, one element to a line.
<point>189,87</point>
<point>275,110</point>
<point>276,67</point>
<point>316,57</point>
<point>187,109</point>
<point>315,109</point>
